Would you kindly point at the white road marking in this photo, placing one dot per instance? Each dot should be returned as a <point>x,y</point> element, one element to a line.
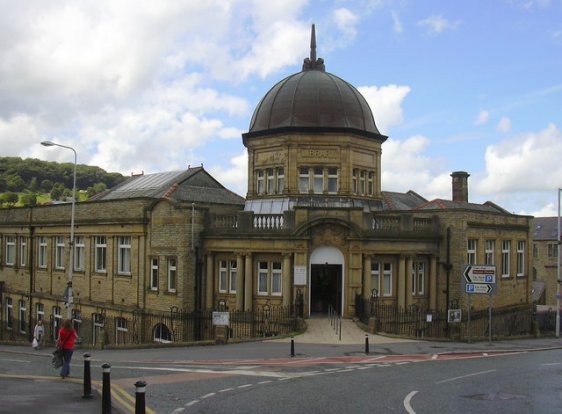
<point>203,397</point>
<point>407,400</point>
<point>15,360</point>
<point>245,386</point>
<point>226,390</point>
<point>466,376</point>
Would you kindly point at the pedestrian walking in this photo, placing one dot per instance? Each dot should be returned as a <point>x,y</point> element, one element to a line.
<point>39,335</point>
<point>65,342</point>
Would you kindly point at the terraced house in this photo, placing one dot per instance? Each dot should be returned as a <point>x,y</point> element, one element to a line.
<point>315,233</point>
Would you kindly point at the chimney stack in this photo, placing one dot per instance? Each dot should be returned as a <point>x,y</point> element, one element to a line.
<point>460,186</point>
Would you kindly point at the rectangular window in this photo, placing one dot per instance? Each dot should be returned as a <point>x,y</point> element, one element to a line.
<point>387,279</point>
<point>535,251</point>
<point>375,278</point>
<point>332,180</point>
<point>262,278</point>
<point>57,321</point>
<point>270,181</point>
<point>77,323</point>
<point>10,250</point>
<point>303,179</point>
<point>362,182</point>
<point>354,180</point>
<point>121,331</point>
<point>79,248</point>
<point>59,252</point>
<point>172,275</point>
<point>42,256</point>
<point>23,251</point>
<point>222,276</point>
<point>506,246</point>
<point>9,314</point>
<point>471,247</point>
<point>124,255</point>
<point>40,311</point>
<point>276,278</point>
<point>520,258</point>
<point>318,180</point>
<point>233,275</point>
<point>418,278</point>
<point>100,254</point>
<point>280,180</point>
<point>154,273</point>
<point>370,183</point>
<point>22,318</point>
<point>260,184</point>
<point>552,250</point>
<point>490,252</point>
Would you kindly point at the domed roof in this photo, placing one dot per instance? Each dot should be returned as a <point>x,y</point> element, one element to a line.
<point>313,99</point>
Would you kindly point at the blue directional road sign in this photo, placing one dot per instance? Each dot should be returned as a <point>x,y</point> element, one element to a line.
<point>478,288</point>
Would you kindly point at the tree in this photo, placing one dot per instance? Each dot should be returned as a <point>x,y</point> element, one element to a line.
<point>29,200</point>
<point>46,186</point>
<point>11,198</point>
<point>33,185</point>
<point>57,191</point>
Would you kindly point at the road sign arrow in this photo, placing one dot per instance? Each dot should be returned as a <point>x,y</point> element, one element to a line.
<point>478,288</point>
<point>480,274</point>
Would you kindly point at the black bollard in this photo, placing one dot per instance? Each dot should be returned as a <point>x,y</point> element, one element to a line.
<point>87,377</point>
<point>366,343</point>
<point>140,388</point>
<point>292,347</point>
<point>106,390</point>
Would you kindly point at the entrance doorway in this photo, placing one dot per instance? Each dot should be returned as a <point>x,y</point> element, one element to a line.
<point>325,287</point>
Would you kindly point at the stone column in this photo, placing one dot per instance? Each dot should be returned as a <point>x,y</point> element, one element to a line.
<point>432,275</point>
<point>209,282</point>
<point>409,282</point>
<point>248,284</point>
<point>287,285</point>
<point>239,282</point>
<point>367,276</point>
<point>401,282</point>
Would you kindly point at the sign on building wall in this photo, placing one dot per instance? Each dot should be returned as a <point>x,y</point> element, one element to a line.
<point>221,318</point>
<point>300,275</point>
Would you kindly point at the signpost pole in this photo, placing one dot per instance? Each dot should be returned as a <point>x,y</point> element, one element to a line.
<point>490,320</point>
<point>468,320</point>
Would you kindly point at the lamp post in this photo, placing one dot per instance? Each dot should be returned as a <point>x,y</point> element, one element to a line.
<point>69,294</point>
<point>558,281</point>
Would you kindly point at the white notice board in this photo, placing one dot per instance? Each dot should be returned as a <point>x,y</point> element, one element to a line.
<point>300,275</point>
<point>221,318</point>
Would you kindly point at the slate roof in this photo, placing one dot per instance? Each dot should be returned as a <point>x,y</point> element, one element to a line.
<point>545,228</point>
<point>191,185</point>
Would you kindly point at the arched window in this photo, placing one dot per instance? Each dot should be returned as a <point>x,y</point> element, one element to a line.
<point>162,334</point>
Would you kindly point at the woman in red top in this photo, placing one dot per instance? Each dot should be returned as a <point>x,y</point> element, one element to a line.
<point>67,336</point>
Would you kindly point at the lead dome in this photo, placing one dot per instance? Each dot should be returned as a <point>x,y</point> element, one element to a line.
<point>313,99</point>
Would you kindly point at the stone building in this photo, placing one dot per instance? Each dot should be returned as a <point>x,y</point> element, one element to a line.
<point>315,227</point>
<point>545,260</point>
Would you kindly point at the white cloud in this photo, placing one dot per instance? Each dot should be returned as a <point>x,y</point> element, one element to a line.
<point>386,104</point>
<point>346,21</point>
<point>530,162</point>
<point>504,124</point>
<point>437,24</point>
<point>405,167</point>
<point>482,118</point>
<point>234,177</point>
<point>397,25</point>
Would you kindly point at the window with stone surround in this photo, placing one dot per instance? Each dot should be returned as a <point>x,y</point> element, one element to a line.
<point>172,275</point>
<point>506,257</point>
<point>489,252</point>
<point>100,254</point>
<point>10,242</point>
<point>59,252</point>
<point>418,278</point>
<point>154,273</point>
<point>280,180</point>
<point>79,248</point>
<point>471,247</point>
<point>520,258</point>
<point>381,278</point>
<point>269,278</point>
<point>42,254</point>
<point>124,255</point>
<point>23,251</point>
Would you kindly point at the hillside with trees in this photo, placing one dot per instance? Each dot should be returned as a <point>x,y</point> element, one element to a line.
<point>29,182</point>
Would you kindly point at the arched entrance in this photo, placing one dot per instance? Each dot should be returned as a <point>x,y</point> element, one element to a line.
<point>326,280</point>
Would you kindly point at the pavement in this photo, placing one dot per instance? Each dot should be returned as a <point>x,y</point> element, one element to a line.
<point>53,395</point>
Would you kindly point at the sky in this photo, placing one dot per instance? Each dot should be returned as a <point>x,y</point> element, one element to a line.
<point>151,86</point>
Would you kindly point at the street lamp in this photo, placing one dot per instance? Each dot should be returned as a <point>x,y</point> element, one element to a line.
<point>69,296</point>
<point>558,281</point>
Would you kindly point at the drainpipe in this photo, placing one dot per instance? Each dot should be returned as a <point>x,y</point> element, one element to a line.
<point>30,264</point>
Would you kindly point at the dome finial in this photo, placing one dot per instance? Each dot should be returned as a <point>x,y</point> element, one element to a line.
<point>312,63</point>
